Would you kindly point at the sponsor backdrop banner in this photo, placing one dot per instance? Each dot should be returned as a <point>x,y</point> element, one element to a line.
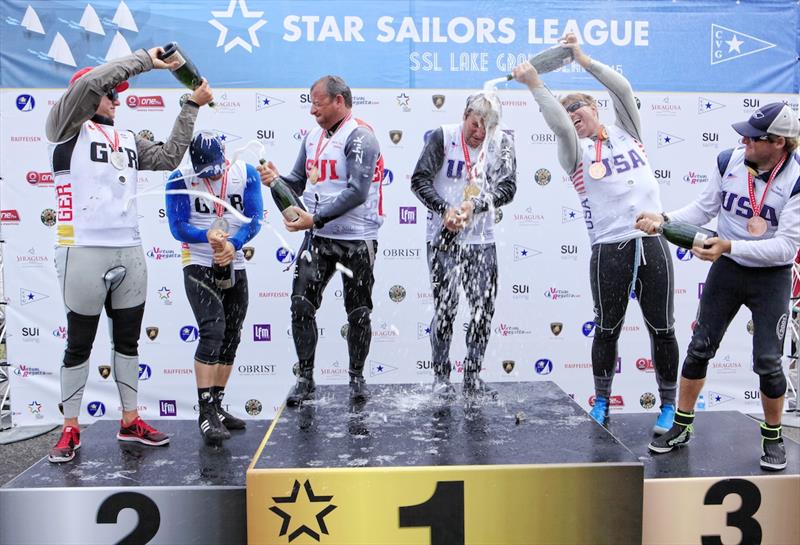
<point>411,66</point>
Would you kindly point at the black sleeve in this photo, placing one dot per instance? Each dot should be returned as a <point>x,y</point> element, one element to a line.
<point>430,161</point>
<point>361,151</point>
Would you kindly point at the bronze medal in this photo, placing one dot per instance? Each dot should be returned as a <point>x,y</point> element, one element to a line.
<point>756,226</point>
<point>597,171</point>
<point>313,175</point>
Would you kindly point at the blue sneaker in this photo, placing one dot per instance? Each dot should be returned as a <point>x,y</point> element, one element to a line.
<point>600,410</point>
<point>665,419</point>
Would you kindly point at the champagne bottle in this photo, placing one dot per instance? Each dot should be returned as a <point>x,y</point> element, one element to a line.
<point>550,59</point>
<point>224,276</point>
<point>284,198</point>
<point>186,72</point>
<point>685,234</point>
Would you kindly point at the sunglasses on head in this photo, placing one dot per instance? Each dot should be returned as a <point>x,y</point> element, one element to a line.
<point>575,106</point>
<point>112,95</point>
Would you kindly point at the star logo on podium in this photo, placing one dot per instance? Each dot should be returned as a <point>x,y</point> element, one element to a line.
<point>251,30</point>
<point>299,508</point>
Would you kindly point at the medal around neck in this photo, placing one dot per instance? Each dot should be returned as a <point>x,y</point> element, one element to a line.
<point>597,171</point>
<point>471,190</point>
<point>117,160</point>
<point>313,175</point>
<point>757,226</point>
<point>221,224</point>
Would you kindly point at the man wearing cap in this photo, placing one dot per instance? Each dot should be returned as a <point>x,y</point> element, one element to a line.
<point>99,257</point>
<point>461,200</point>
<point>214,273</point>
<point>755,196</point>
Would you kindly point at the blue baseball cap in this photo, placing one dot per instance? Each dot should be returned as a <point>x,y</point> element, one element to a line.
<point>775,118</point>
<point>207,153</point>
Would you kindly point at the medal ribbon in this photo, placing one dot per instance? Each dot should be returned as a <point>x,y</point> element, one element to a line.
<point>598,144</point>
<point>320,147</point>
<point>223,190</point>
<point>115,144</point>
<point>467,160</point>
<point>751,187</point>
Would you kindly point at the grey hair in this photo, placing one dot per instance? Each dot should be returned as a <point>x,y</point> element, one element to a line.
<point>335,85</point>
<point>487,106</point>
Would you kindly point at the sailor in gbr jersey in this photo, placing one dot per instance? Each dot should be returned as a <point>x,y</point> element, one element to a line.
<point>99,256</point>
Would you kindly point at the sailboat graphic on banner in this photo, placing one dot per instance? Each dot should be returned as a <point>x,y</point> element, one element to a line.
<point>91,22</point>
<point>123,18</point>
<point>119,47</point>
<point>60,51</point>
<point>31,22</point>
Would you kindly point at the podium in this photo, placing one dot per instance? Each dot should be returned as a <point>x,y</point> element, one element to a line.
<point>402,468</point>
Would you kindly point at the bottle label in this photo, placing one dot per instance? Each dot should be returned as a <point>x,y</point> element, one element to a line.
<point>176,56</point>
<point>290,214</point>
<point>699,240</point>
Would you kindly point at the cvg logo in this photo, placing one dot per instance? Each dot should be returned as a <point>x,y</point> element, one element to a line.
<point>588,329</point>
<point>684,254</point>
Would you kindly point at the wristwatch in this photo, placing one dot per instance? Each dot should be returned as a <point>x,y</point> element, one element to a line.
<point>318,222</point>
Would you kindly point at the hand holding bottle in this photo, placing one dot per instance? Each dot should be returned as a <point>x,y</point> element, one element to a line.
<point>712,249</point>
<point>570,41</point>
<point>268,172</point>
<point>225,255</point>
<point>649,222</point>
<point>202,95</point>
<point>158,64</point>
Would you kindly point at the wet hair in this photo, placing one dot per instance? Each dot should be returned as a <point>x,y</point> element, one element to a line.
<point>575,97</point>
<point>486,106</point>
<point>335,85</point>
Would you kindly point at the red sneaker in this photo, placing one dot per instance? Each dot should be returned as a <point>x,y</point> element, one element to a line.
<point>68,443</point>
<point>140,431</point>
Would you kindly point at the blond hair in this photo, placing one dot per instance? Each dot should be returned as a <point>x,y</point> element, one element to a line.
<point>575,97</point>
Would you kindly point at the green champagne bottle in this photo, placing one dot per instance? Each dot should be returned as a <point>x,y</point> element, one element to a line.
<point>685,234</point>
<point>284,198</point>
<point>186,72</point>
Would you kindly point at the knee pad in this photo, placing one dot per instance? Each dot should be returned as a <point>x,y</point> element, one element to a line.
<point>126,324</point>
<point>360,317</point>
<point>81,330</point>
<point>694,368</point>
<point>302,309</point>
<point>773,385</point>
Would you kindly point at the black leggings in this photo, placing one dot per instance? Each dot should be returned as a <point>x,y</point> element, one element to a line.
<point>474,267</point>
<point>314,268</point>
<point>611,270</point>
<point>219,313</point>
<point>763,290</point>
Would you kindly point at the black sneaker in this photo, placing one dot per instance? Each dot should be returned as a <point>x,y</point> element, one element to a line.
<point>443,388</point>
<point>228,420</point>
<point>358,389</point>
<point>211,428</point>
<point>677,436</point>
<point>301,391</point>
<point>474,386</point>
<point>773,453</point>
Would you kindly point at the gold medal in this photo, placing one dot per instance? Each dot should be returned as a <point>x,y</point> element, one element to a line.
<point>756,226</point>
<point>313,175</point>
<point>471,190</point>
<point>597,171</point>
